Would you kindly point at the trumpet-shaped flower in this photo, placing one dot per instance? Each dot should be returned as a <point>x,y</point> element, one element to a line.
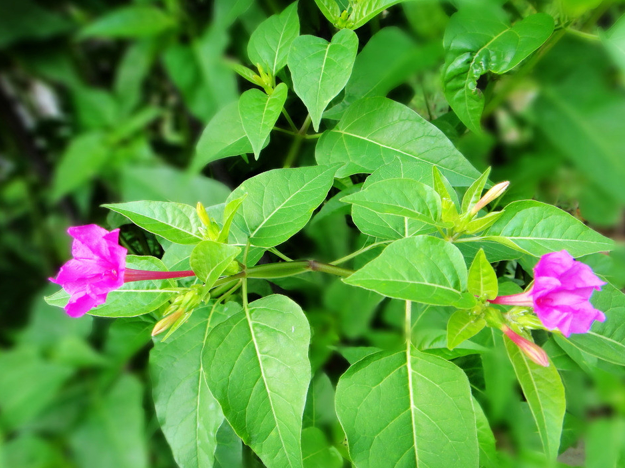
<point>99,267</point>
<point>561,294</point>
<point>96,269</point>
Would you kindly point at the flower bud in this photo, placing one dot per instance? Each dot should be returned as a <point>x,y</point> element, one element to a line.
<point>531,350</point>
<point>166,322</point>
<point>491,195</point>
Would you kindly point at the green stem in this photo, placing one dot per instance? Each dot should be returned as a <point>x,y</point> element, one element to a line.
<point>282,130</point>
<point>289,120</point>
<point>358,252</point>
<point>293,151</point>
<point>584,35</point>
<point>277,253</point>
<point>280,270</point>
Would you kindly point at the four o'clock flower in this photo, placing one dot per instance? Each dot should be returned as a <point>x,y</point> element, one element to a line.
<point>560,294</point>
<point>99,267</point>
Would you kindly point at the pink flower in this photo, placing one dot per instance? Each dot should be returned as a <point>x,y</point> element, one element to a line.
<point>99,267</point>
<point>531,350</point>
<point>560,294</point>
<point>96,269</point>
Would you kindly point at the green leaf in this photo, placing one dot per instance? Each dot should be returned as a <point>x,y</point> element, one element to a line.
<point>112,431</point>
<point>133,298</point>
<point>229,453</point>
<point>537,228</point>
<point>27,21</point>
<point>402,197</point>
<point>478,42</point>
<point>28,384</point>
<point>387,226</point>
<point>174,221</point>
<point>257,367</point>
<point>482,277</point>
<point>374,131</point>
<point>229,211</point>
<point>227,11</point>
<point>280,202</point>
<point>164,183</point>
<point>209,259</point>
<point>330,9</point>
<point>189,415</point>
<point>407,409</point>
<point>421,269</point>
<point>129,22</point>
<point>270,43</point>
<point>317,452</point>
<point>463,325</point>
<point>81,163</point>
<point>474,192</point>
<point>363,11</point>
<point>578,115</point>
<point>319,410</point>
<point>388,59</point>
<point>480,224</point>
<point>132,71</point>
<point>614,41</point>
<point>259,114</point>
<point>486,439</point>
<point>544,393</point>
<point>321,69</point>
<point>605,340</point>
<point>223,136</point>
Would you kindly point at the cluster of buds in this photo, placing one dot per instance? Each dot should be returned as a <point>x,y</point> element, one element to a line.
<point>179,311</point>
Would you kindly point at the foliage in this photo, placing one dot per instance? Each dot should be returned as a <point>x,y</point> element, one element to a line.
<point>376,129</point>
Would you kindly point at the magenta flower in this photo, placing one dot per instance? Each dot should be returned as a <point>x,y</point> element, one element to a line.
<point>561,294</point>
<point>99,267</point>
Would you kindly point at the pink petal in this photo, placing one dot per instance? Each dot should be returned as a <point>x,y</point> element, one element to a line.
<point>581,275</point>
<point>79,305</point>
<point>553,264</point>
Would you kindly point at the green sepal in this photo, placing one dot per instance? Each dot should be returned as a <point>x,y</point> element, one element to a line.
<point>482,280</point>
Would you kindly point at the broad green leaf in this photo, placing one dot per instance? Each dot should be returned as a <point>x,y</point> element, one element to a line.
<point>614,41</point>
<point>270,43</point>
<point>486,439</point>
<point>463,325</point>
<point>28,20</point>
<point>81,163</point>
<point>229,452</point>
<point>480,224</point>
<point>330,9</point>
<point>132,71</point>
<point>112,432</point>
<point>353,308</point>
<point>164,183</point>
<point>443,187</point>
<point>317,452</point>
<point>28,384</point>
<point>402,197</point>
<point>319,410</point>
<point>388,59</point>
<point>174,221</point>
<point>363,11</point>
<point>604,443</point>
<point>407,409</point>
<point>259,114</point>
<point>133,298</point>
<point>537,228</point>
<point>257,367</point>
<point>544,393</point>
<point>482,277</point>
<point>421,269</point>
<point>579,116</point>
<point>321,69</point>
<point>474,192</point>
<point>223,136</point>
<point>605,340</point>
<point>374,131</point>
<point>280,202</point>
<point>227,11</point>
<point>209,259</point>
<point>229,211</point>
<point>189,415</point>
<point>477,42</point>
<point>131,21</point>
<point>387,226</point>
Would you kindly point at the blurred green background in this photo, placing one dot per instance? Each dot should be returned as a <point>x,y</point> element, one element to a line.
<point>104,101</point>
